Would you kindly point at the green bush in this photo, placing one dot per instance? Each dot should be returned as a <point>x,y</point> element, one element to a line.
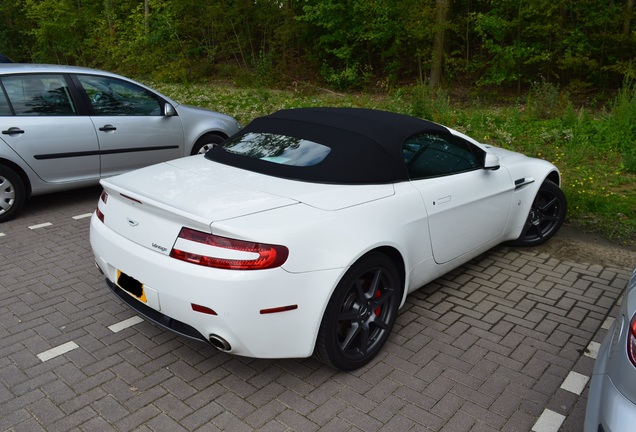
<point>429,104</point>
<point>620,126</point>
<point>546,101</point>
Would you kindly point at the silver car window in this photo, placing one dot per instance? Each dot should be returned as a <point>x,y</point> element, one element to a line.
<point>39,95</point>
<point>113,97</point>
<point>5,109</point>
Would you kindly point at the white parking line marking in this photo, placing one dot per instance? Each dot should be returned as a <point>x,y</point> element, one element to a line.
<point>42,225</point>
<point>549,421</point>
<point>2,234</point>
<point>575,383</point>
<point>592,349</point>
<point>83,216</point>
<point>125,324</point>
<point>57,351</point>
<point>607,324</point>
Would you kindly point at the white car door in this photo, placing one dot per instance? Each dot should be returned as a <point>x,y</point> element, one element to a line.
<point>467,205</point>
<point>130,124</point>
<point>46,131</point>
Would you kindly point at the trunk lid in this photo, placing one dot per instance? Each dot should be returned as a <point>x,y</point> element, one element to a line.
<point>150,206</point>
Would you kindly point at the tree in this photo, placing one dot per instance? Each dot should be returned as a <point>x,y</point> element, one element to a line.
<point>441,15</point>
<point>354,39</point>
<point>629,10</point>
<point>59,30</point>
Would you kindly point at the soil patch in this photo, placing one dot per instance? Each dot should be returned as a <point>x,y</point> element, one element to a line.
<point>570,244</point>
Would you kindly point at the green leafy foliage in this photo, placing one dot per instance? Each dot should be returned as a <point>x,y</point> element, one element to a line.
<point>350,44</point>
<point>351,38</point>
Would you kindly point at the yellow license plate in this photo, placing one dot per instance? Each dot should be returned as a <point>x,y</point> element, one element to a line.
<point>131,285</point>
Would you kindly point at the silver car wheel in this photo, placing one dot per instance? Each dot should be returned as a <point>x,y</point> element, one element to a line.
<point>7,195</point>
<point>206,147</point>
<point>12,193</point>
<point>205,143</point>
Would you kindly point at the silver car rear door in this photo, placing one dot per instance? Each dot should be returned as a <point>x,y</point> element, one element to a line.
<point>46,130</point>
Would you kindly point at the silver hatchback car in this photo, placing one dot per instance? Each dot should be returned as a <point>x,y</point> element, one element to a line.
<point>611,402</point>
<point>65,127</point>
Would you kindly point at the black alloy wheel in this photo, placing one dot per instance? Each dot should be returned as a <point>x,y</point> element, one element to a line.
<point>360,313</point>
<point>546,216</point>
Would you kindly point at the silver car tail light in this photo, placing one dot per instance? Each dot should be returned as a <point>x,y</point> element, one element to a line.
<point>631,341</point>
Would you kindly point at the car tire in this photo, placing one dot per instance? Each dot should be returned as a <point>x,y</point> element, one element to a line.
<point>360,314</point>
<point>12,193</point>
<point>205,143</point>
<point>546,216</point>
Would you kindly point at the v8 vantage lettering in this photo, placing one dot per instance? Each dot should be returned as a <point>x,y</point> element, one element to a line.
<point>161,248</point>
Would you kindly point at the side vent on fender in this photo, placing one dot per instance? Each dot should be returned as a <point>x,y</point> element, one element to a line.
<point>519,183</point>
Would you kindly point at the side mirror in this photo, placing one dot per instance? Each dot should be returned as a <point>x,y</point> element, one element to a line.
<point>492,162</point>
<point>168,110</point>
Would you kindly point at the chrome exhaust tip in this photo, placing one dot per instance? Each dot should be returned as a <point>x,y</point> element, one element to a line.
<point>219,343</point>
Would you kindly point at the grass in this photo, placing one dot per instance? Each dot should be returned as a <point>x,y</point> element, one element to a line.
<point>595,151</point>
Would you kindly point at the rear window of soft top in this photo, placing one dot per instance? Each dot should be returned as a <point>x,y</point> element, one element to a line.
<point>278,149</point>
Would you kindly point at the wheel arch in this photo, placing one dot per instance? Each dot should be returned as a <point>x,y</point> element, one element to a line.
<point>321,343</point>
<point>397,258</point>
<point>533,217</point>
<point>19,171</point>
<point>393,254</point>
<point>203,136</point>
<point>554,177</point>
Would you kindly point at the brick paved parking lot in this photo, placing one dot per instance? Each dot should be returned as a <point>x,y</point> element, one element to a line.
<point>504,343</point>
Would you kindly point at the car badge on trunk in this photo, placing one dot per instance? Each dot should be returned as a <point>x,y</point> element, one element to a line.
<point>132,223</point>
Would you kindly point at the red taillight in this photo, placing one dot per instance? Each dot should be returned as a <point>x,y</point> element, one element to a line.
<point>103,198</point>
<point>631,341</point>
<point>221,252</point>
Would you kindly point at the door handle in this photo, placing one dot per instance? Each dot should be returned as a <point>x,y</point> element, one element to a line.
<point>442,200</point>
<point>13,131</point>
<point>107,128</point>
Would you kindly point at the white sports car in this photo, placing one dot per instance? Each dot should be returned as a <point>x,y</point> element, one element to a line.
<point>304,232</point>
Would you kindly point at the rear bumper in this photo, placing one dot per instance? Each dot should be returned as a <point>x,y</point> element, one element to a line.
<point>238,298</point>
<point>155,316</point>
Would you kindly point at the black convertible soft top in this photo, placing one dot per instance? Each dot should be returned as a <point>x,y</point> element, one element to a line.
<point>366,144</point>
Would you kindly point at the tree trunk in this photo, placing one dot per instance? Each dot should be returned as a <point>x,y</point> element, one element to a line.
<point>441,13</point>
<point>629,9</point>
<point>147,16</point>
<point>108,11</point>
